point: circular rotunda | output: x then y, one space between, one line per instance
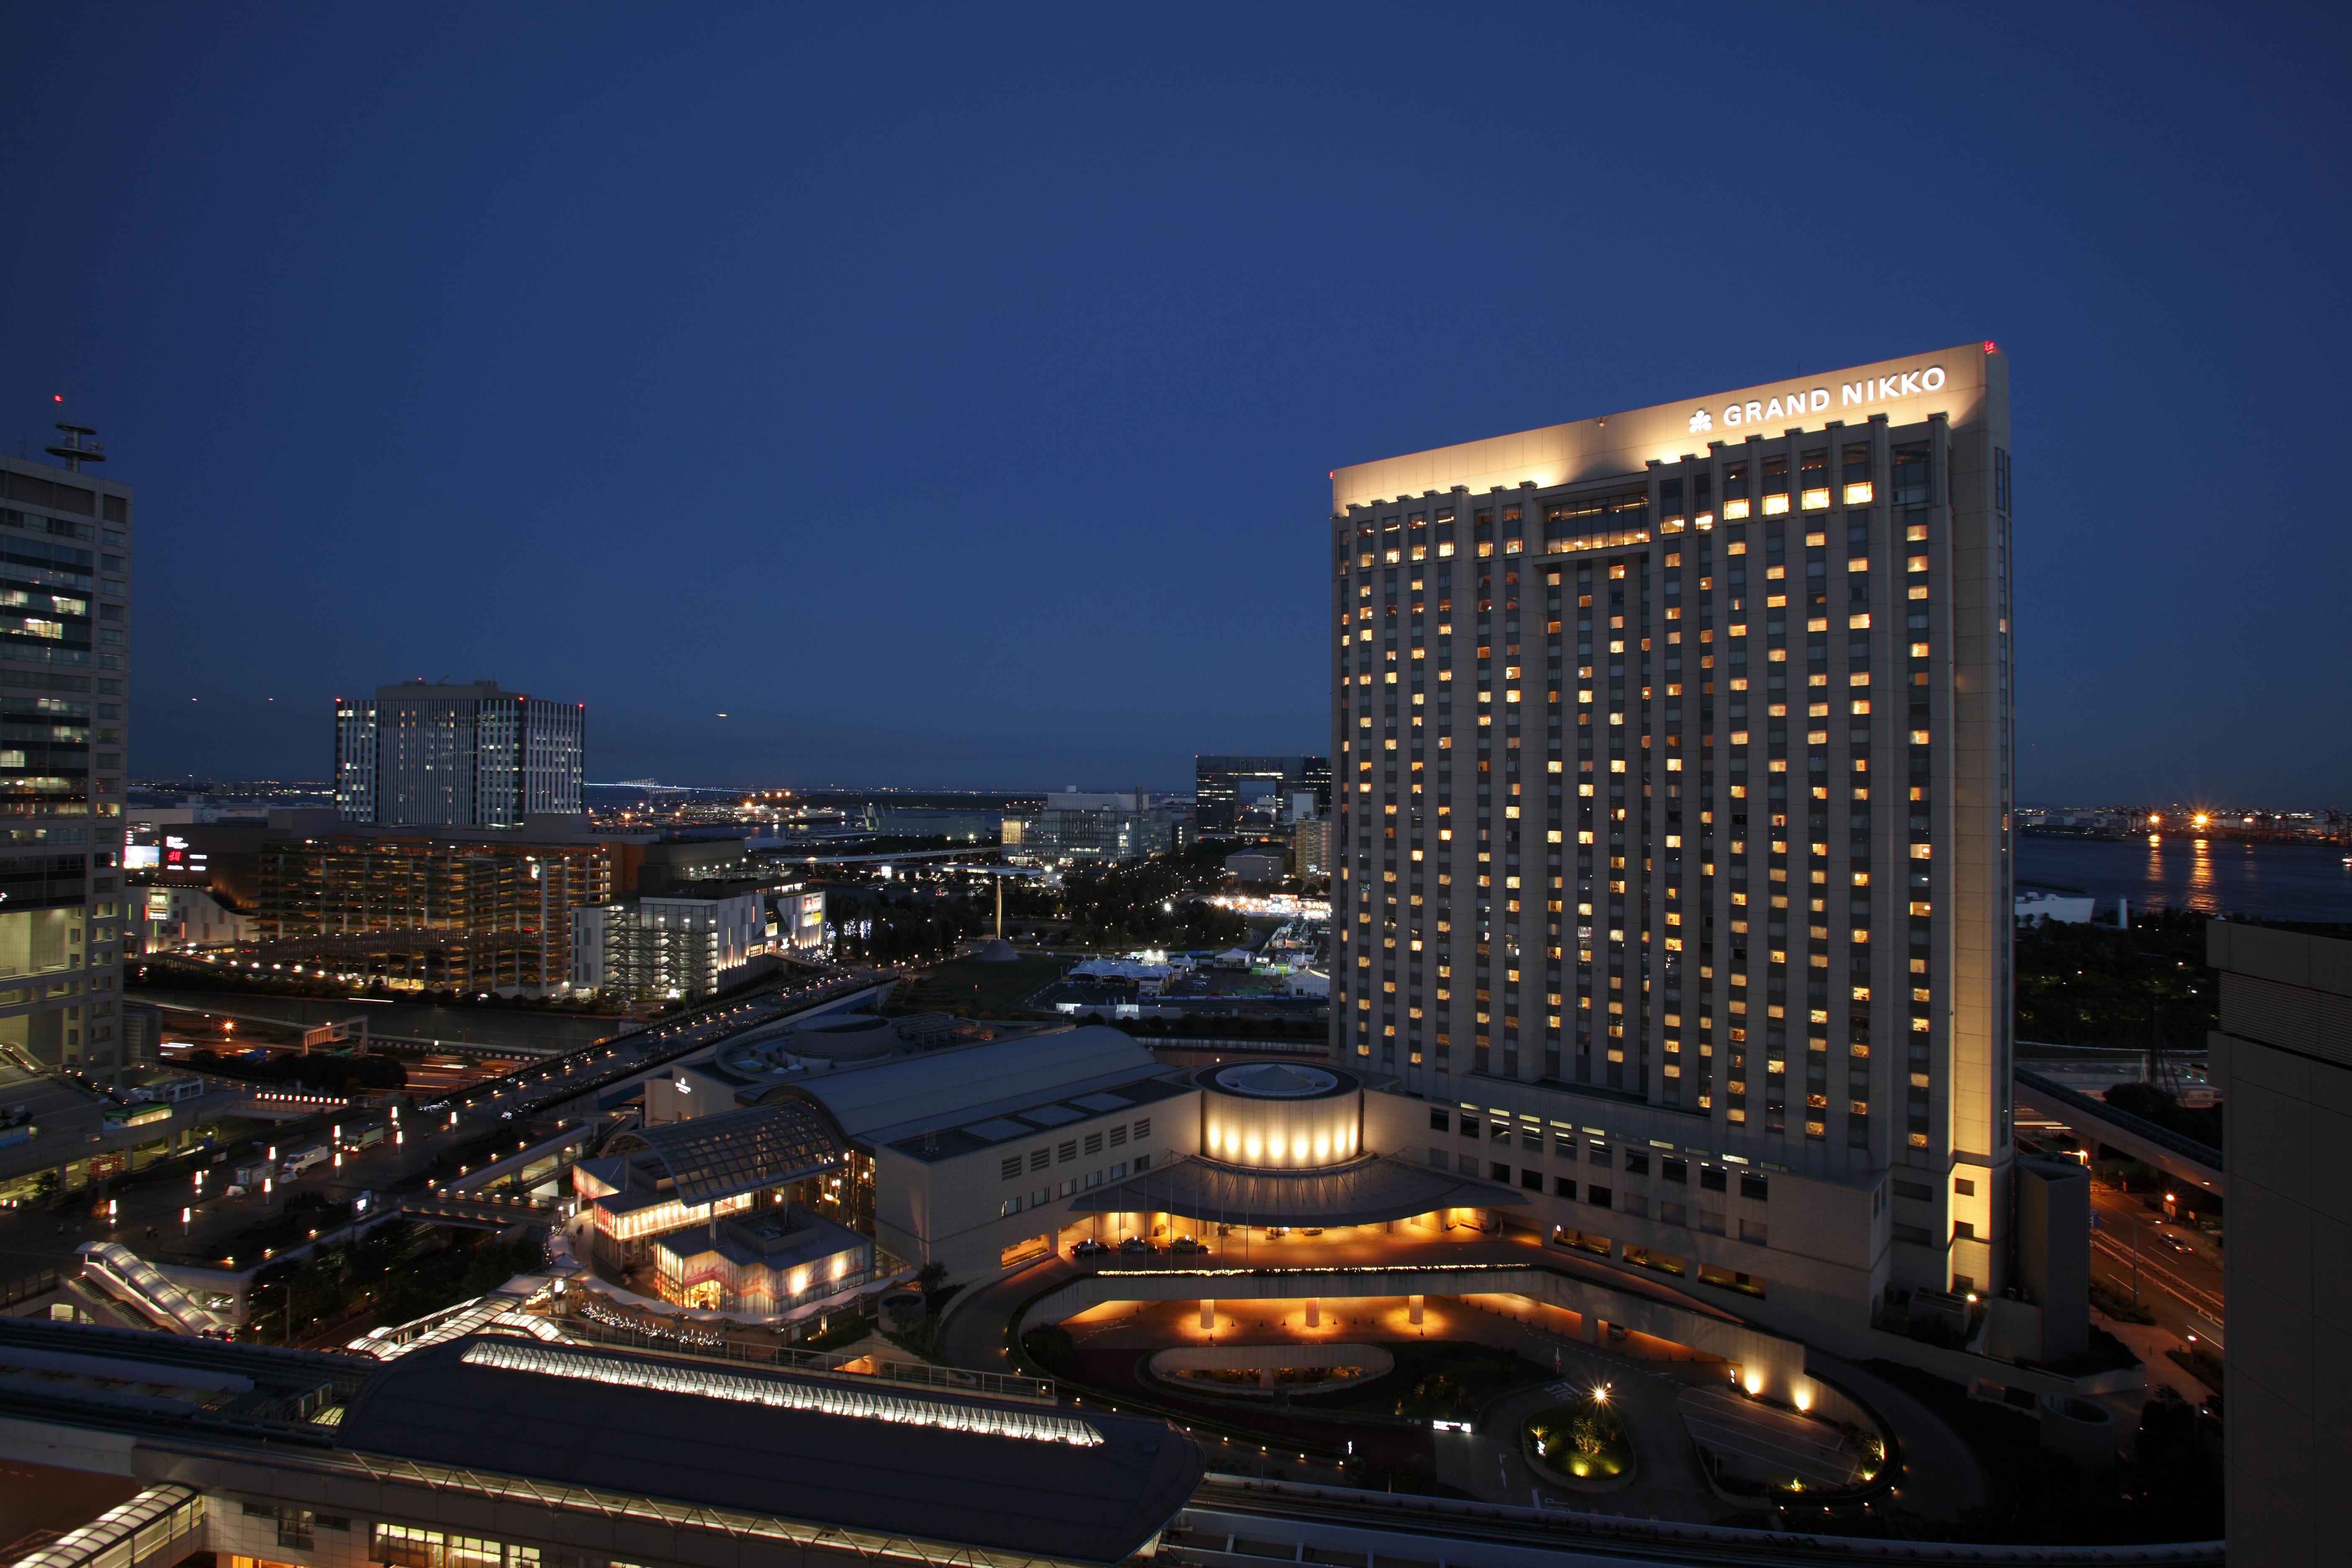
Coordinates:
1285 1116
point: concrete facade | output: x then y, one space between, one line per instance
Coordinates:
1770 1364
2283 1058
456 756
1672 773
686 944
1797 1254
65 559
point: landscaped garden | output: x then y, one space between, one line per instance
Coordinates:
1583 1440
1435 1379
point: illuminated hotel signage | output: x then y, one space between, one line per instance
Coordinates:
1801 400
1959 383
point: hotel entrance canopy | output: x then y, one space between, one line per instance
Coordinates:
1363 1192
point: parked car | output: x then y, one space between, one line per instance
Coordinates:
1134 1244
1186 1244
1089 1247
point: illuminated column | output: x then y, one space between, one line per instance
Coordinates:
1208 1313
1314 1313
1413 1303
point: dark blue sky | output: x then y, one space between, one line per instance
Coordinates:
946 395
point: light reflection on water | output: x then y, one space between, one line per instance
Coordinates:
2278 882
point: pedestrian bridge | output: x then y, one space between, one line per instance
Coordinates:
131 1279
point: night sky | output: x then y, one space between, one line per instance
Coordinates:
946 395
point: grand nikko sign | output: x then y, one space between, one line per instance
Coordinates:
1799 401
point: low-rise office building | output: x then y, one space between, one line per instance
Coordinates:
1076 827
180 920
1246 795
691 942
478 911
1255 866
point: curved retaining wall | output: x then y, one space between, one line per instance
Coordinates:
1775 1364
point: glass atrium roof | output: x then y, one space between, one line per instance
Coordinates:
713 1157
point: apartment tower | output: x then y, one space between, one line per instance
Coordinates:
1673 770
65 612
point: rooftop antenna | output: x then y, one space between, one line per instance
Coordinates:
73 449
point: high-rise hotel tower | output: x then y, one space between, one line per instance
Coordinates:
1672 785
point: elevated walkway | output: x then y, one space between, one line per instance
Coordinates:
2184 1159
567 1143
477 1211
502 1308
162 1525
130 1278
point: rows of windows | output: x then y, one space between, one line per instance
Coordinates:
1071 1186
1498 865
1563 1141
400 1546
1010 1167
1669 1210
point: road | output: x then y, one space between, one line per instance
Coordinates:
52 1099
148 1214
520 1031
2179 1266
35 1237
542 1085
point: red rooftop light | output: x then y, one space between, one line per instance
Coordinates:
1990 347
